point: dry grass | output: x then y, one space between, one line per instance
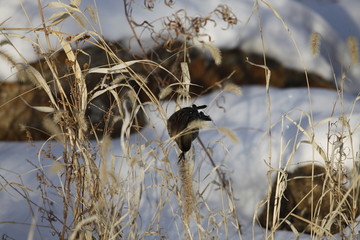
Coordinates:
324 211
101 193
320 201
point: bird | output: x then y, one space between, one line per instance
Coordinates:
178 123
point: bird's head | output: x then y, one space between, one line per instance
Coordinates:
202 115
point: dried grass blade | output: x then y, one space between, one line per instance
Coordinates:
70 8
38 80
311 139
77 71
58 17
75 3
230 134
43 109
79 19
22 37
100 92
119 68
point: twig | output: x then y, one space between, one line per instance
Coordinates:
224 182
130 21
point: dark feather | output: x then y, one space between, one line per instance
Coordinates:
179 121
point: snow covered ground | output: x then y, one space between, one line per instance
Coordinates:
246 162
246 115
335 21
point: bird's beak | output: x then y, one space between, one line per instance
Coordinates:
205 117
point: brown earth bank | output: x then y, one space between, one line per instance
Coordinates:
312 200
21 122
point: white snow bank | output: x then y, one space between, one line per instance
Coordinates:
246 163
335 21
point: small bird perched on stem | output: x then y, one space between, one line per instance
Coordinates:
178 126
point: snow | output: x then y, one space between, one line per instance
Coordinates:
335 21
247 161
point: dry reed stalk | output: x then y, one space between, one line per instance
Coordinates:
189 200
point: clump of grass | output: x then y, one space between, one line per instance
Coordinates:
100 194
318 200
332 203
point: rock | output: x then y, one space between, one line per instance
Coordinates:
311 199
